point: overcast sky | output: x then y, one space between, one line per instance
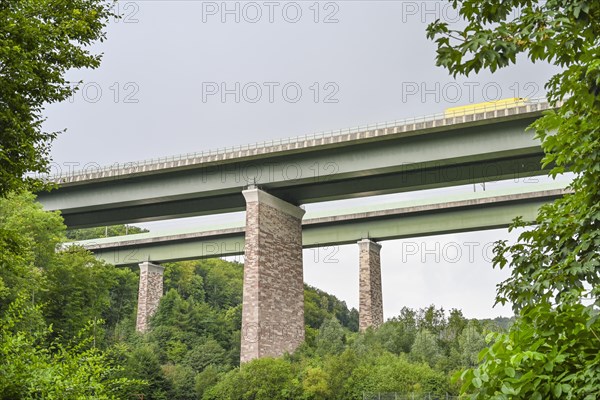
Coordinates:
187 76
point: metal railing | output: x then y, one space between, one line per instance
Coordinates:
463 115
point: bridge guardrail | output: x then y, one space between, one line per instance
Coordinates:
306 141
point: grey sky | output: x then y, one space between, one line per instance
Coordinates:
154 96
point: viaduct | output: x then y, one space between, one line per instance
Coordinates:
270 181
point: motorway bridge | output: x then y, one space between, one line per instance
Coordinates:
400 156
271 181
466 212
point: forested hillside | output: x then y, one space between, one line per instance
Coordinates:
68 331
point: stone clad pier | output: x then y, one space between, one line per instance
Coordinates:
370 294
149 294
273 299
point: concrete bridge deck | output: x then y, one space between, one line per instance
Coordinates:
422 153
451 214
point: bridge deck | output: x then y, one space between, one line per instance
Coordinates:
303 143
455 213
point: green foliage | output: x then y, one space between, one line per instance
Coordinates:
184 278
41 287
388 373
182 378
551 353
28 239
206 380
143 364
471 341
555 267
396 337
320 306
78 289
41 41
222 282
207 353
431 319
331 338
314 383
492 39
192 349
261 379
194 341
29 369
425 348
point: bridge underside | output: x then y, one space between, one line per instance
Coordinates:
398 163
469 214
272 239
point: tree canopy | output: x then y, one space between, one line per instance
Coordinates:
552 351
67 328
39 42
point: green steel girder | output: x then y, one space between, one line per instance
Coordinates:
494 150
385 224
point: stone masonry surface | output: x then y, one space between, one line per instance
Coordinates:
370 295
273 298
150 292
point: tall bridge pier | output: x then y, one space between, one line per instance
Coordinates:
273 236
149 294
273 289
273 299
370 312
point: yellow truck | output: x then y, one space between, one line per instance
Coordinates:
483 107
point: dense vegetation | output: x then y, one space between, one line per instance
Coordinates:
552 350
39 41
66 319
68 330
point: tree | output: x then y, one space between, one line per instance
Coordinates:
29 369
142 363
456 323
431 319
39 42
314 384
396 337
471 342
79 289
331 338
183 380
425 348
205 380
28 239
222 282
260 379
182 277
205 354
556 264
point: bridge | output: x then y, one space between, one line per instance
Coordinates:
394 157
465 212
270 181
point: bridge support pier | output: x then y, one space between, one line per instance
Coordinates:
370 295
150 292
273 299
